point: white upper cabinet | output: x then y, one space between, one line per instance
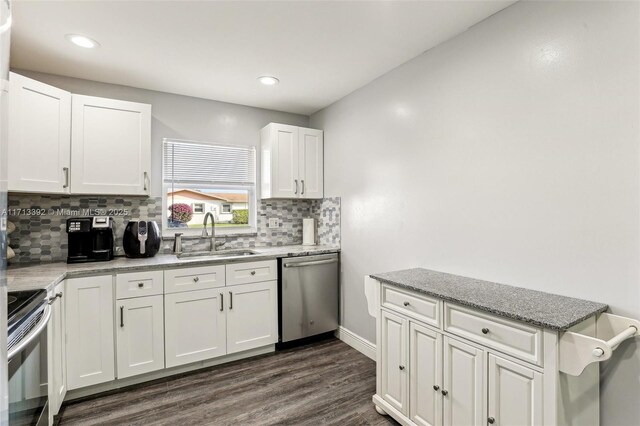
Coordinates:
311 163
39 137
292 162
61 143
110 146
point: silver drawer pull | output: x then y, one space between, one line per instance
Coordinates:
406 303
196 279
253 272
485 331
401 367
140 285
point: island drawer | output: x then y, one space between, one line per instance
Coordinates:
137 284
418 306
511 337
252 272
196 278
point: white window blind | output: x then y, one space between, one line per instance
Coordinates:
201 162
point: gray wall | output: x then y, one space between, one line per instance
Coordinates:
183 117
509 153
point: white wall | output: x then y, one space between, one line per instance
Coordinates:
509 153
181 117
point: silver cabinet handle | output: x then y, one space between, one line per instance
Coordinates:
406 303
296 181
65 170
302 193
221 302
53 299
31 336
319 262
230 300
196 279
485 331
121 316
145 178
401 367
140 285
253 272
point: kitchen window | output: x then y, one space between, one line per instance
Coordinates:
201 178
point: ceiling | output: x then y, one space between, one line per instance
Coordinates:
320 50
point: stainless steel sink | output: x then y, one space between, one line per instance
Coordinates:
219 253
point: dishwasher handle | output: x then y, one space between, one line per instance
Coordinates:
312 263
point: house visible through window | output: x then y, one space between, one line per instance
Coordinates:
201 178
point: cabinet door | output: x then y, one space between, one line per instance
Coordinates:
111 146
463 384
311 167
195 326
515 394
394 387
425 375
252 316
39 137
57 370
140 335
283 142
90 345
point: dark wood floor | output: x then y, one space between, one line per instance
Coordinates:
325 383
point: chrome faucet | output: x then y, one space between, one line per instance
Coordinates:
205 234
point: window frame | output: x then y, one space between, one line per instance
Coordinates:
250 228
194 207
226 205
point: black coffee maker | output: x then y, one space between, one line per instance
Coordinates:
90 239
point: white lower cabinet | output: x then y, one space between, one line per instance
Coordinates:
90 349
463 384
252 316
195 326
515 394
425 365
428 378
393 378
57 372
140 335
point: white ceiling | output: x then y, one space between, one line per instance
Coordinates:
320 51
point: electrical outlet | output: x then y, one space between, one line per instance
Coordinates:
274 222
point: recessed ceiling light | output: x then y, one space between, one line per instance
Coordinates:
82 41
268 80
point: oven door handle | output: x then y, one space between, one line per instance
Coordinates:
33 334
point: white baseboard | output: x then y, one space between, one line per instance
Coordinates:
358 343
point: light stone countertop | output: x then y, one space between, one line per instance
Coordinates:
47 275
534 307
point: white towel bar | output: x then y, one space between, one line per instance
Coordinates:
578 350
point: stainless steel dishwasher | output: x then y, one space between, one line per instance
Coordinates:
308 296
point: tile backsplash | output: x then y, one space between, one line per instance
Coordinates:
40 220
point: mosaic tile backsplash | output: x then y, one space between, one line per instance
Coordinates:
40 234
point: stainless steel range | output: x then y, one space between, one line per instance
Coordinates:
28 315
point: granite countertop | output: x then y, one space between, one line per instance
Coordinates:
534 307
46 275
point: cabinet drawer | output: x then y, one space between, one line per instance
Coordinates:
252 272
418 306
511 337
197 278
136 284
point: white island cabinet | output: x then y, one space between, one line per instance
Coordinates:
442 363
